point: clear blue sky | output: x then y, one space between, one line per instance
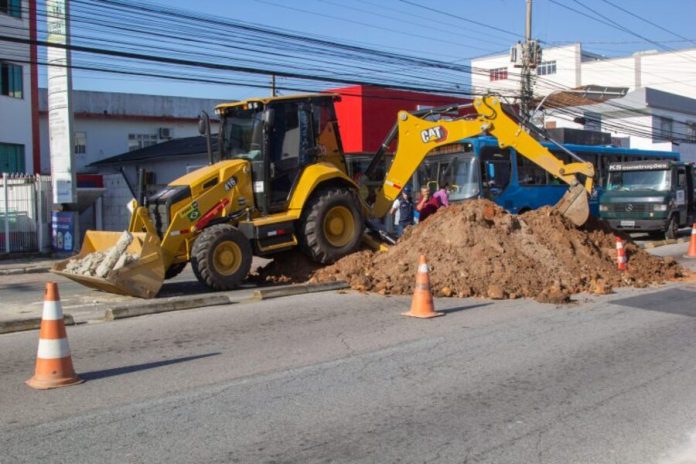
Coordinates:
438 31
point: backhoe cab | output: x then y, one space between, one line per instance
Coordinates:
279 181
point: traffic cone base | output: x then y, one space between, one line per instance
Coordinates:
422 302
422 316
692 244
58 379
54 366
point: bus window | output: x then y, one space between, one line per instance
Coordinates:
495 171
529 173
460 174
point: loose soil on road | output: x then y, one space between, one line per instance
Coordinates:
476 248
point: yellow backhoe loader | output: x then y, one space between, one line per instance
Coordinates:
279 181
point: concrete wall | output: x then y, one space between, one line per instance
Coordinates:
15 113
611 73
115 199
670 71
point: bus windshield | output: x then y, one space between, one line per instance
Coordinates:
458 172
242 134
639 180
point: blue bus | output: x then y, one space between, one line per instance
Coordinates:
478 168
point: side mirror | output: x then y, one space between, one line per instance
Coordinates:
203 123
268 117
204 129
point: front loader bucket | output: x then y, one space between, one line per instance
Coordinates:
575 205
142 278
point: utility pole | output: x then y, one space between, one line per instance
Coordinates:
526 56
273 85
526 92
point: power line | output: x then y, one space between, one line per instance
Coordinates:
669 31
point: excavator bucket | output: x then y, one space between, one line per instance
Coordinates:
143 277
575 205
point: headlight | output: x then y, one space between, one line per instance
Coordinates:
659 207
603 208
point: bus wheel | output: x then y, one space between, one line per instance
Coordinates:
672 228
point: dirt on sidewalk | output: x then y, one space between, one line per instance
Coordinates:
476 248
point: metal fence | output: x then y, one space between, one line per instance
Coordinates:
25 213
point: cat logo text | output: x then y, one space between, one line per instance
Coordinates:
434 134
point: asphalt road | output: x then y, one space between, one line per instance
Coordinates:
343 378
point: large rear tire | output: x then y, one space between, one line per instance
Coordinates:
221 257
331 225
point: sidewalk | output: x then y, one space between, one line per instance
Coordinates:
22 297
26 265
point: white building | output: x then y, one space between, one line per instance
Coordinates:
669 119
569 67
652 101
18 86
108 124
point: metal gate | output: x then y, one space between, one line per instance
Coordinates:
25 208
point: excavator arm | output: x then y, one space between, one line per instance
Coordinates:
417 137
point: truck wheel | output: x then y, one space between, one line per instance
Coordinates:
331 225
672 228
174 270
221 257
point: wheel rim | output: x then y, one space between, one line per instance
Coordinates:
339 226
227 258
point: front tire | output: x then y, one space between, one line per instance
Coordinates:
331 225
672 228
221 257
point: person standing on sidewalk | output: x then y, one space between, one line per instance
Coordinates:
402 209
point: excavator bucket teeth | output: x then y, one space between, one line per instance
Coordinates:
574 205
141 278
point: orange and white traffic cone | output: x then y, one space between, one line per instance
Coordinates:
54 366
620 255
692 244
422 301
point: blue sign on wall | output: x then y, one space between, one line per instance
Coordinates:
63 230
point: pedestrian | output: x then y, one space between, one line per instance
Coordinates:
402 209
427 204
443 194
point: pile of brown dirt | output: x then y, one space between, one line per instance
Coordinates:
476 248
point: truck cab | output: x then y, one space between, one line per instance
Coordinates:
649 196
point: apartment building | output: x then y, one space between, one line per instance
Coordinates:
19 151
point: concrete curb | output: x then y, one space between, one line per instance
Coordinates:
20 325
268 293
177 303
659 243
24 270
164 305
